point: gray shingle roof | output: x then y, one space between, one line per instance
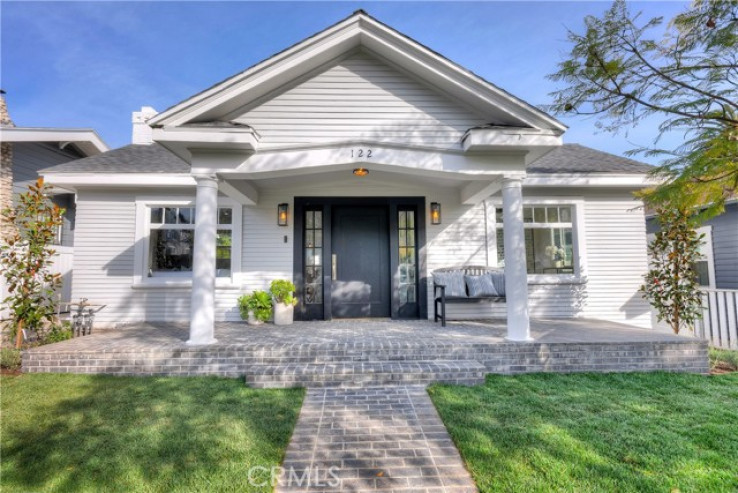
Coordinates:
569 158
134 158
575 158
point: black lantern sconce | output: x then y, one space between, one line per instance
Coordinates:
435 213
282 210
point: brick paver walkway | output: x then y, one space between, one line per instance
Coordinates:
372 439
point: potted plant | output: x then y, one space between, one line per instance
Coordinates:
255 308
284 301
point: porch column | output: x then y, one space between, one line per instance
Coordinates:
516 277
202 309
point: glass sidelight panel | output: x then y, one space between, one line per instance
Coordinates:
407 257
313 248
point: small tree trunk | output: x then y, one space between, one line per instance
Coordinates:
19 335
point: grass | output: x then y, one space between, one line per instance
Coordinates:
10 358
723 360
604 432
102 433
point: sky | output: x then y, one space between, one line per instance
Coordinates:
90 64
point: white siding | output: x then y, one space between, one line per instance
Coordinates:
104 266
361 98
617 259
615 236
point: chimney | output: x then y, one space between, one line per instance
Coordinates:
141 130
5 120
7 229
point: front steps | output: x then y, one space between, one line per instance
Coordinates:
350 374
419 361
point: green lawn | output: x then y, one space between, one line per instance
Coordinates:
605 432
100 433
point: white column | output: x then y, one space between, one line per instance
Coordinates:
202 310
516 277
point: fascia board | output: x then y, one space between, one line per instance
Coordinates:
322 47
626 180
85 138
262 71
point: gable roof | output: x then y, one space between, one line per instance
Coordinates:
359 29
154 158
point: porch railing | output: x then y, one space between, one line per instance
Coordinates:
719 324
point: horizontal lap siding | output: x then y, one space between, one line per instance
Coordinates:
725 247
104 257
30 157
462 240
617 259
361 98
104 266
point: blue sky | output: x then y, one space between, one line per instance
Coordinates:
83 64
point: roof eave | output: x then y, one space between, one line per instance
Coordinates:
86 139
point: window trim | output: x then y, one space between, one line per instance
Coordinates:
579 247
141 280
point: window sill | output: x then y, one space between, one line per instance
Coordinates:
556 279
154 283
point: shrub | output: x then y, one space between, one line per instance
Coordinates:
671 283
258 302
10 358
27 257
283 291
724 359
58 333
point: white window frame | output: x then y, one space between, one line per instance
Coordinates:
141 278
579 246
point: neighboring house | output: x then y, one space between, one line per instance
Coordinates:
25 151
355 163
718 268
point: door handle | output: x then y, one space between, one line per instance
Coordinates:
334 267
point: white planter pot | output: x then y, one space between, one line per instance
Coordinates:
283 314
252 320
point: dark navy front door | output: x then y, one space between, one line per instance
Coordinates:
360 262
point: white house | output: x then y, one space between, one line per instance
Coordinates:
355 163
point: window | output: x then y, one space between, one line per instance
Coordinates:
705 267
406 255
313 257
171 240
549 239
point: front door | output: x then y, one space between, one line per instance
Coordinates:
360 269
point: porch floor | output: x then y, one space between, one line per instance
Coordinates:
371 352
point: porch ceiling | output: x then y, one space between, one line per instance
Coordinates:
379 182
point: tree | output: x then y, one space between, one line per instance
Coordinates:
623 69
27 258
671 283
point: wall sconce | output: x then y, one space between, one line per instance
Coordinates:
282 214
435 213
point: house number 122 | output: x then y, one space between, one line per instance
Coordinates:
367 153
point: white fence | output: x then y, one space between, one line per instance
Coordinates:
719 324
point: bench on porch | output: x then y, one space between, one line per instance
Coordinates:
452 285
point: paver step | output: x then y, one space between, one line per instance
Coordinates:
366 374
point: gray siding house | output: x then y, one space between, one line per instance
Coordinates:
26 151
719 267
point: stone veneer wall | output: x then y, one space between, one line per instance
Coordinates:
6 171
